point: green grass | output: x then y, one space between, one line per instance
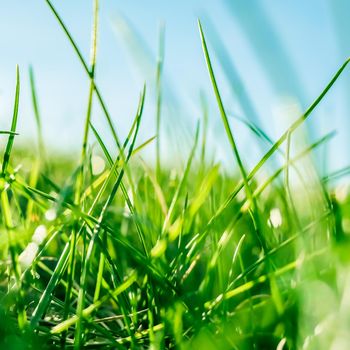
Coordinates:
141 256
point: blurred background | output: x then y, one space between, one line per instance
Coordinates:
272 59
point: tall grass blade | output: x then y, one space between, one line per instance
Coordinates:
11 138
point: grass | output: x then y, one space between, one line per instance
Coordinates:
136 256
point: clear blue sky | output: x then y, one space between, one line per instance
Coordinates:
283 53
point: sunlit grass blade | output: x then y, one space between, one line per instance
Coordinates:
160 61
37 114
249 193
80 178
11 138
87 70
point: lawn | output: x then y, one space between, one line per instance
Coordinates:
99 251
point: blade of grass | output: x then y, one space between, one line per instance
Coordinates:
159 70
87 70
37 115
6 209
80 178
254 214
11 138
3 132
204 105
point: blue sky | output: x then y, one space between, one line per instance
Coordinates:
284 53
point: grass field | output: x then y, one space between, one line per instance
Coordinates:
113 252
